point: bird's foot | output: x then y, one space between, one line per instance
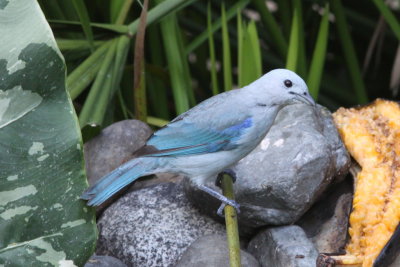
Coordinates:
229 172
231 203
225 201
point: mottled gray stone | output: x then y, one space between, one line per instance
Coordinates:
152 226
284 246
326 223
212 251
114 146
104 261
287 172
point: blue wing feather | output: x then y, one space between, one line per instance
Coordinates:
184 138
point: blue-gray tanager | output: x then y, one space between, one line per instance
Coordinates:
210 137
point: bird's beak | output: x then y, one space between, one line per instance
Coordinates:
305 98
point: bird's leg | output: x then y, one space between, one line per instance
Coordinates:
222 198
225 201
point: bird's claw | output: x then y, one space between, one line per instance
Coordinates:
231 203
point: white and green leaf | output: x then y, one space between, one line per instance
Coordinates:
42 220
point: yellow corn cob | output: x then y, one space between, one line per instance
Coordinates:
372 136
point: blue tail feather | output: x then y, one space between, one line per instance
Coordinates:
115 181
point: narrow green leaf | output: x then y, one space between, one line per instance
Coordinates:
123 11
52 9
213 70
42 220
83 75
278 40
176 61
349 52
115 9
106 26
255 48
293 51
241 50
389 17
250 60
158 12
230 13
121 54
285 15
302 61
76 44
318 59
226 50
186 71
84 18
156 78
96 103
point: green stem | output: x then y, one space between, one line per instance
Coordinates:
232 230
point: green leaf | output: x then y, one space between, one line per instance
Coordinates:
158 12
226 51
249 54
76 44
42 220
111 27
177 63
85 21
318 59
389 17
156 78
272 27
296 58
85 73
213 69
123 10
230 13
349 52
96 103
293 51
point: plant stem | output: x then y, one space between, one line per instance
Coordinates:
232 230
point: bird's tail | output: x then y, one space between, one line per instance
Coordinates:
117 179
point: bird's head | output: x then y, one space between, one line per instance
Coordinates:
285 87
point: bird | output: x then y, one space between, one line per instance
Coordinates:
209 138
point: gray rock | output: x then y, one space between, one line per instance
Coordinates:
285 246
396 262
326 223
284 175
114 146
152 226
212 251
104 261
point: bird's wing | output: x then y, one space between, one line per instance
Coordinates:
182 137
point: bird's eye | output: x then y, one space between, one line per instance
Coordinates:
288 83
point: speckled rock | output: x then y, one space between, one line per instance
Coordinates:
152 226
212 251
104 261
113 146
283 176
284 246
326 223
